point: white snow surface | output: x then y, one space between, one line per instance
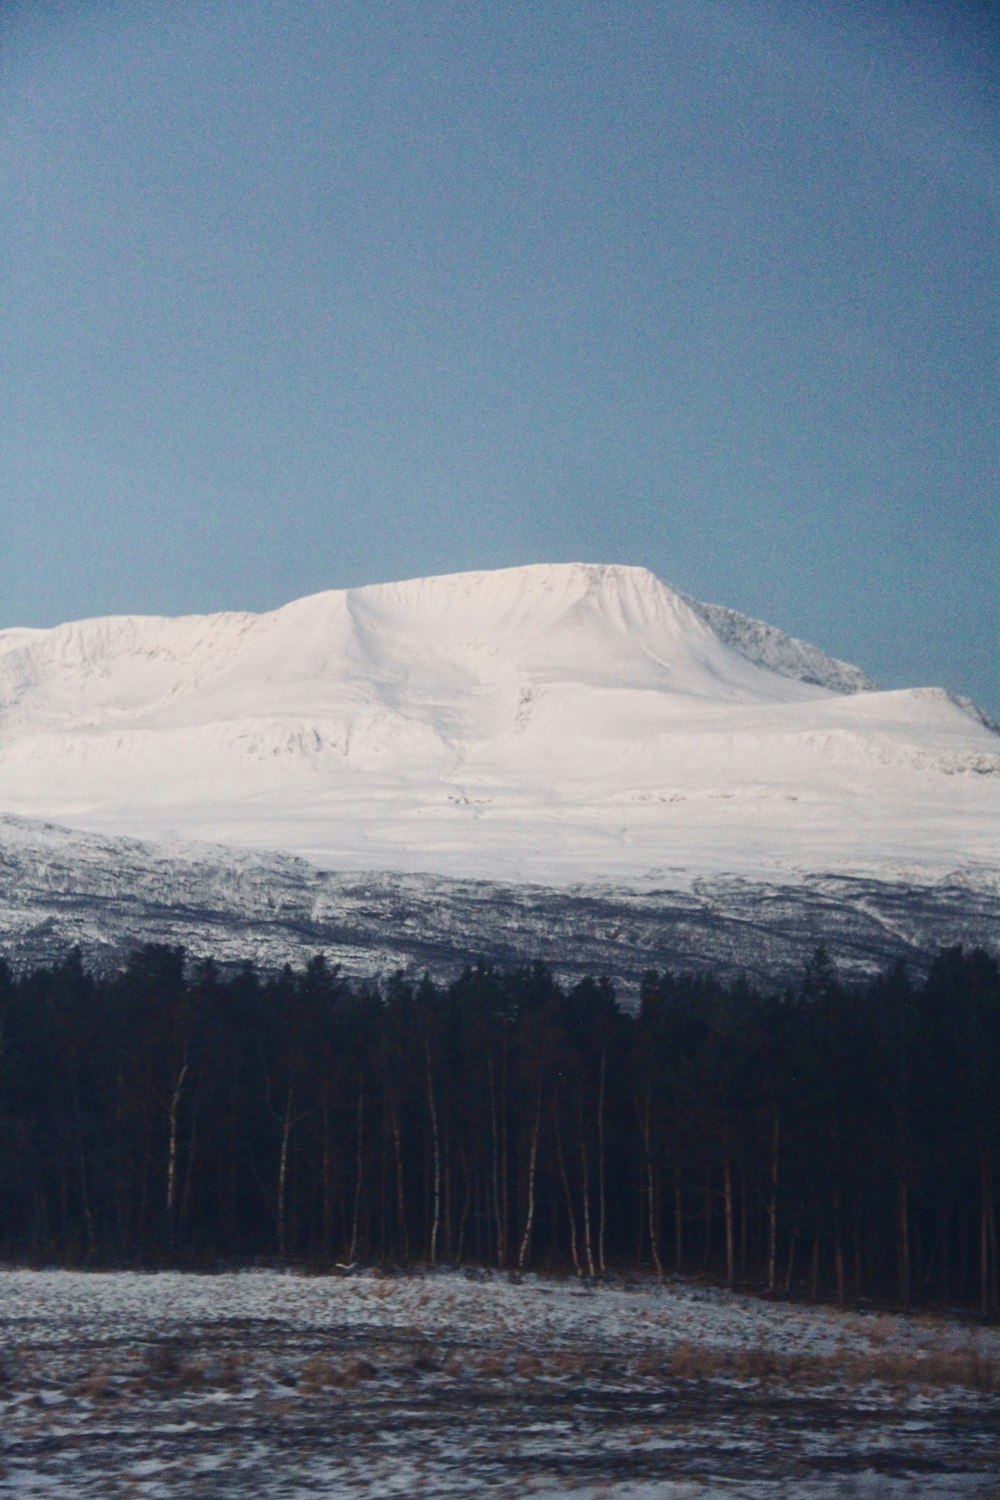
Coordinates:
552 723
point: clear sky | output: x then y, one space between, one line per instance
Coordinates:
302 295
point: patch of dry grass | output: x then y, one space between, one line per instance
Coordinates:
878 1331
971 1367
382 1288
937 1368
351 1371
170 1366
690 1361
98 1385
317 1374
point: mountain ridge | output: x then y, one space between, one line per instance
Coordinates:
628 593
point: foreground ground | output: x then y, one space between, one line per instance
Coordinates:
461 1384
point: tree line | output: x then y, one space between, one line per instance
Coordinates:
832 1140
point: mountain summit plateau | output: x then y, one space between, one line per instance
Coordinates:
563 724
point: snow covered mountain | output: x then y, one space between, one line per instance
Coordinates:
550 723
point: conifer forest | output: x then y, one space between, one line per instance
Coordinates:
832 1141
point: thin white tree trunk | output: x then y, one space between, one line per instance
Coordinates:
174 1107
772 1209
400 1199
987 1239
522 1254
564 1176
588 1246
286 1131
727 1184
81 1166
352 1253
602 1211
436 1220
497 1207
904 1243
650 1183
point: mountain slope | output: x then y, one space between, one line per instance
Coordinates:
60 888
549 722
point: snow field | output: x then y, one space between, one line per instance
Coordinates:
455 1384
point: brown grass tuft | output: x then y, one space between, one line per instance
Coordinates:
696 1362
170 1366
758 1362
317 1374
98 1385
351 1371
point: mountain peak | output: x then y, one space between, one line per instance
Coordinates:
557 721
623 598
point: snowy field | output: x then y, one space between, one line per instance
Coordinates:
466 1384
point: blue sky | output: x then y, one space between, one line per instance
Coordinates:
306 295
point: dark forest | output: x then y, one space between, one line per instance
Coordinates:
830 1141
